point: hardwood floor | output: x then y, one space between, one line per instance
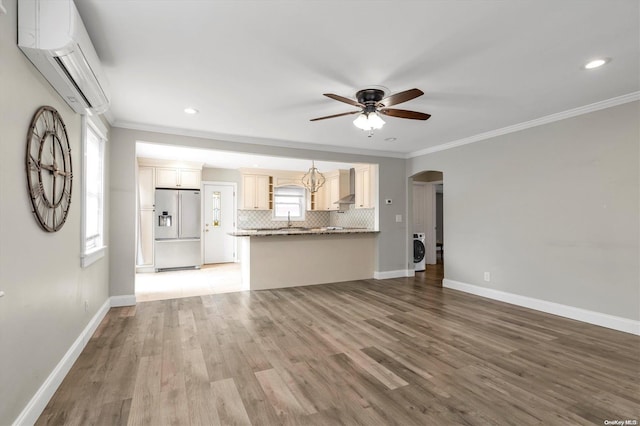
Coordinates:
400 351
432 275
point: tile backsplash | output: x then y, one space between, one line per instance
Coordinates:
252 219
349 218
353 218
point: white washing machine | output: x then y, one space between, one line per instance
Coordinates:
419 251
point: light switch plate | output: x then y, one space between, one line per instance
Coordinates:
398 218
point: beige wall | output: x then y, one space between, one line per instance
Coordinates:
551 212
222 175
42 312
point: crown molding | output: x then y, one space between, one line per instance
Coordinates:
257 141
630 97
108 115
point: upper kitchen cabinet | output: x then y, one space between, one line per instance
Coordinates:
181 178
364 187
147 186
335 187
257 192
173 174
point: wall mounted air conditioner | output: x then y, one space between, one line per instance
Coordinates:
53 37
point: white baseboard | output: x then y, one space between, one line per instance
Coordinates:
126 300
400 273
592 317
39 401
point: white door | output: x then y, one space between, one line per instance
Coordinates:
219 219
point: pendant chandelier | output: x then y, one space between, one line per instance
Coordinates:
313 179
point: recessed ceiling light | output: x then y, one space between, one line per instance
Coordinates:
190 110
596 63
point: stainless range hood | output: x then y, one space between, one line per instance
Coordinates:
351 198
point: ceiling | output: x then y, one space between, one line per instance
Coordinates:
256 70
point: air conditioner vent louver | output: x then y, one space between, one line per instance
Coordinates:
73 82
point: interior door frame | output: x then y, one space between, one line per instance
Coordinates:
427 213
434 224
235 212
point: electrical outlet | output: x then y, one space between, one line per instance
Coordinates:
487 276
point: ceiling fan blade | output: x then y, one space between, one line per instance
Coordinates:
403 113
343 99
335 115
401 97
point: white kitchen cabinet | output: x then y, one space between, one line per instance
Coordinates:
146 191
322 197
146 238
335 187
170 177
364 198
257 192
146 184
189 178
339 187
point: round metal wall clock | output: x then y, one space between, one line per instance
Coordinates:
49 173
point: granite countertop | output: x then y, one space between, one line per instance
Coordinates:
264 232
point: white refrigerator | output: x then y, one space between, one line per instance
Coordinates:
177 229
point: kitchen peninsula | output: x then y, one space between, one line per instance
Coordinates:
290 257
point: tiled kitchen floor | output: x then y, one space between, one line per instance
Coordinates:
210 279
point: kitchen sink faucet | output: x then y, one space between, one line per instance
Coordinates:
288 219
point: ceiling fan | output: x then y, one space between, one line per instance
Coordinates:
372 103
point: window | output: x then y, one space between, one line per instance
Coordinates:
289 202
216 208
94 140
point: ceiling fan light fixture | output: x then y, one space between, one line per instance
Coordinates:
369 121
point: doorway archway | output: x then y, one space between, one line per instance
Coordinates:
428 198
